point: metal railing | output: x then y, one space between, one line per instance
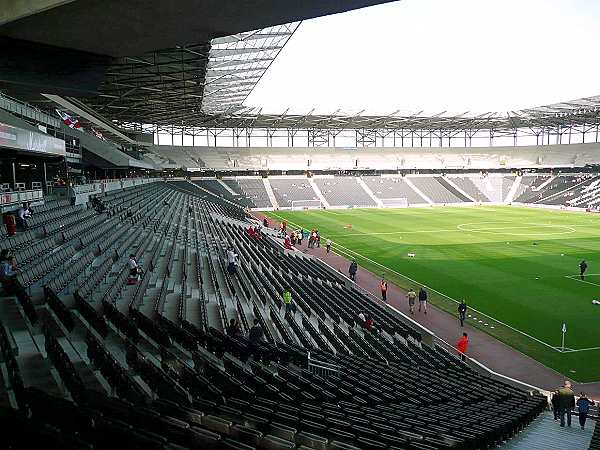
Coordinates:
15 198
322 368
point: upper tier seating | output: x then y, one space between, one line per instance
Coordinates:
343 191
542 157
149 365
287 190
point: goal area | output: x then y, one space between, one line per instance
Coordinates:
399 202
306 204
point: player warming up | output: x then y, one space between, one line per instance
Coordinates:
582 268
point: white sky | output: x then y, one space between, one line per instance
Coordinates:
438 55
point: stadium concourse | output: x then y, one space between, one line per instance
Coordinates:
483 348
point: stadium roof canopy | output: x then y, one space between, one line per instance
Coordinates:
191 65
579 111
582 114
175 85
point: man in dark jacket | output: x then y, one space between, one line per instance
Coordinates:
423 299
566 403
255 336
256 333
583 404
554 402
352 270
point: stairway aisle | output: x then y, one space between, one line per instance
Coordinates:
546 434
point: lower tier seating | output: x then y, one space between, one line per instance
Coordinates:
102 359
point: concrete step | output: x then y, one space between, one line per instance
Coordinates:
546 434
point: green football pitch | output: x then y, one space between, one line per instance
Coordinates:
517 267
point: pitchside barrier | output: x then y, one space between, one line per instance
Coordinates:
306 204
400 202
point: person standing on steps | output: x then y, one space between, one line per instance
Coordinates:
328 245
383 287
231 261
554 401
462 346
233 329
583 405
352 270
462 312
566 403
287 301
423 299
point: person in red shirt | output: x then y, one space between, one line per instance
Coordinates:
287 243
369 323
462 346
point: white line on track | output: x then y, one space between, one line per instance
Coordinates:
350 252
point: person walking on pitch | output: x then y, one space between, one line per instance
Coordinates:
582 268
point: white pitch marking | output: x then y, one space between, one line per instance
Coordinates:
572 277
493 230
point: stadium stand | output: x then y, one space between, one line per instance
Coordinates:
530 184
560 188
392 188
288 190
567 189
436 189
470 187
149 364
595 443
182 157
386 158
343 191
218 187
253 189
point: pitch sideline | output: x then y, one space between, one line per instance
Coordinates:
348 252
